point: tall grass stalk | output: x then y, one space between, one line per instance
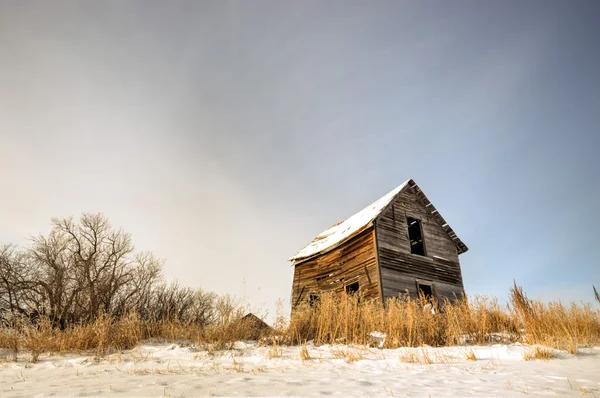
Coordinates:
412 323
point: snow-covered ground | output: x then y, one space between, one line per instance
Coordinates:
250 370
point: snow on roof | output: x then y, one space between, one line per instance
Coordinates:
342 231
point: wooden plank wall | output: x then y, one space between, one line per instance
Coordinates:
399 268
355 260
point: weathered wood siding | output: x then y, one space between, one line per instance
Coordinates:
399 268
355 260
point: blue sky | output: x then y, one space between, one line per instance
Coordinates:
226 135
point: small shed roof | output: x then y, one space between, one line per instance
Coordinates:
341 232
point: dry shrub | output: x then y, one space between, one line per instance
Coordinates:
104 335
10 339
538 353
21 334
36 338
110 334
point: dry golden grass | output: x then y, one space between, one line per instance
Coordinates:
350 355
470 355
424 357
353 355
411 323
410 357
336 320
304 354
107 335
237 366
555 325
10 339
274 351
538 353
348 320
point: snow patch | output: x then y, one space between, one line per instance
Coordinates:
344 370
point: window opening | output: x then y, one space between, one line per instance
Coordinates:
314 299
415 234
426 291
352 288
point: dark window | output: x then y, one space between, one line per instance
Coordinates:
352 288
314 299
426 291
415 234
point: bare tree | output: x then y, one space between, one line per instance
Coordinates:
137 293
54 285
12 282
82 269
99 257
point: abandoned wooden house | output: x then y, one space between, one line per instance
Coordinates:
398 245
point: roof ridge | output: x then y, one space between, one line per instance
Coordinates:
358 222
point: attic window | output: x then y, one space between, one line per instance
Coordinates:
415 234
352 288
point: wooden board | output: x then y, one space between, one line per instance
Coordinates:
355 260
398 267
396 284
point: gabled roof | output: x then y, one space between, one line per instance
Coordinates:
343 231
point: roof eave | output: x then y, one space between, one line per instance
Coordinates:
298 260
